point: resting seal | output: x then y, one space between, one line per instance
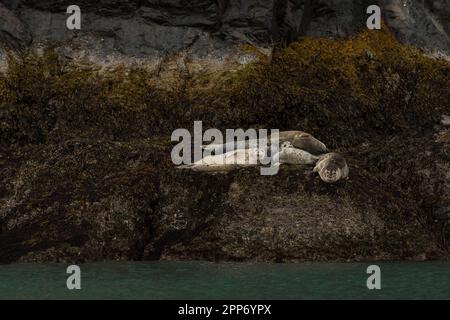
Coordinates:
331 167
227 161
304 141
289 154
298 139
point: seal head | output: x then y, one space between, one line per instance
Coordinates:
332 167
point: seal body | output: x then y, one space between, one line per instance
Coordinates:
298 139
303 140
331 167
289 154
228 160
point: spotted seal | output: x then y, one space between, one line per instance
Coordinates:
298 139
228 160
289 154
331 167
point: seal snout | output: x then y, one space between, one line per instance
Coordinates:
330 175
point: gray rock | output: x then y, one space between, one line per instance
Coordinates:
155 28
425 24
180 13
248 20
12 30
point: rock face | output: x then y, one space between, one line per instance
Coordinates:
12 30
425 24
205 28
67 202
85 169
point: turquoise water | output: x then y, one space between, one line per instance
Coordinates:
205 280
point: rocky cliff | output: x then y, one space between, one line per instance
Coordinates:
85 165
114 30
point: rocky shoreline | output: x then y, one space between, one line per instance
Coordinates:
68 202
85 168
206 34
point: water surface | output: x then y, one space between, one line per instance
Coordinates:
205 280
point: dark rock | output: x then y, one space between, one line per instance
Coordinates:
154 28
78 206
248 20
180 13
103 7
425 24
69 202
115 194
12 30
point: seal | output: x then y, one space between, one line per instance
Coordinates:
290 155
303 140
227 161
298 139
331 167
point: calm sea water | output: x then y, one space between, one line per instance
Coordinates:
205 280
